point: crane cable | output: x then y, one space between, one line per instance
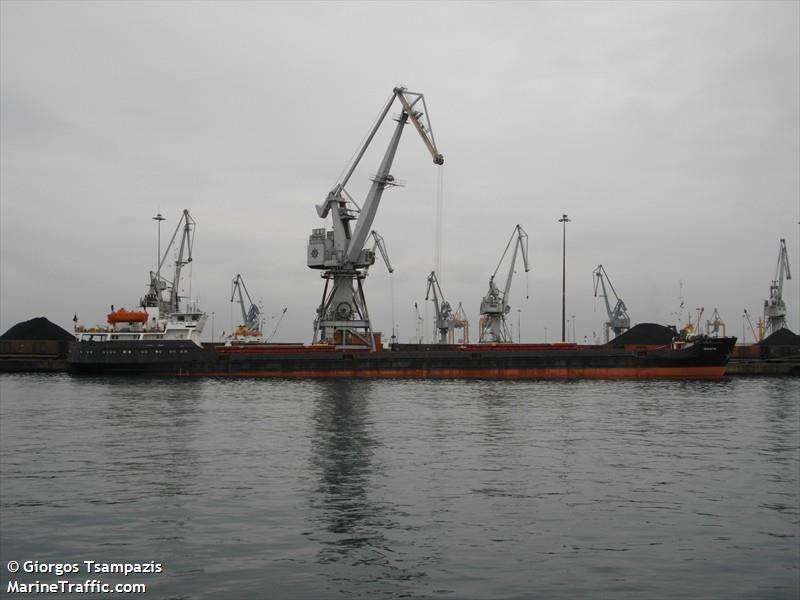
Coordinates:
391 287
275 330
437 251
527 287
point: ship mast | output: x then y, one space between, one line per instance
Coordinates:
158 283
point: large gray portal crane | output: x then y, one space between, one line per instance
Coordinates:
445 320
618 319
342 317
774 308
494 305
251 317
158 283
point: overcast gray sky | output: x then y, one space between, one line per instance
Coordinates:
669 132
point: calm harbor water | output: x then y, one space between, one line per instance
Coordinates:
406 489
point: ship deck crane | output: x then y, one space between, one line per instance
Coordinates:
251 317
342 316
618 319
158 283
445 319
494 305
775 308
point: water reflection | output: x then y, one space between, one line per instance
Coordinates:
149 448
354 528
782 421
496 401
342 449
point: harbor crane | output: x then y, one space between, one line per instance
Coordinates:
714 324
158 283
618 319
251 318
445 319
494 306
775 308
462 323
342 317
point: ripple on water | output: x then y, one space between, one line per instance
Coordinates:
417 489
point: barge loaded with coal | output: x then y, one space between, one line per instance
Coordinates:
164 339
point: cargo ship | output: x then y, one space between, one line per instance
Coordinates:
162 339
702 359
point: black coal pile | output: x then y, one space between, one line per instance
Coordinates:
644 334
37 329
782 337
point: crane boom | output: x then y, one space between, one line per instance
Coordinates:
494 305
756 337
522 243
382 179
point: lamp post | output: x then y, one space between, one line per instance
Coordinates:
519 326
564 219
744 314
159 218
573 329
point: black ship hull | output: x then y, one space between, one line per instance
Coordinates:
704 359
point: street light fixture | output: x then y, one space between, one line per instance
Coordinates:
159 218
564 219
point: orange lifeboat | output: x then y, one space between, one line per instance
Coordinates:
127 316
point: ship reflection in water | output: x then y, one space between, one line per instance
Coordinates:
351 520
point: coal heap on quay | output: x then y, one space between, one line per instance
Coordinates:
39 328
782 337
777 354
34 345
